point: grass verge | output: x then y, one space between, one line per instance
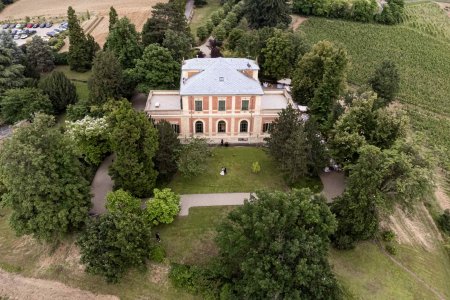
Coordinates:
202 14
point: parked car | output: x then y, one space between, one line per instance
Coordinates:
16 37
26 31
5 26
51 33
63 29
35 25
29 25
24 36
57 30
32 31
19 26
14 31
42 25
19 32
49 24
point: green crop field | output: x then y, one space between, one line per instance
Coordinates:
423 60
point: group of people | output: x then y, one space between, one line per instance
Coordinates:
223 171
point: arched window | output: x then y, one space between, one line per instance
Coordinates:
221 127
243 127
199 127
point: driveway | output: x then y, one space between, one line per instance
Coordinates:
189 10
333 184
199 200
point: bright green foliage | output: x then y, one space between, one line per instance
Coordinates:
289 145
393 12
155 70
90 137
234 37
267 13
44 182
202 33
11 75
364 10
363 124
386 81
168 151
113 17
22 104
165 16
119 240
256 168
106 79
193 156
163 207
220 33
134 140
179 44
124 41
319 78
279 56
275 246
40 55
80 51
60 90
378 181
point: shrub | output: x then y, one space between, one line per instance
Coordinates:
61 58
158 253
195 280
164 206
444 221
209 25
216 18
202 33
256 168
344 242
391 249
220 33
388 235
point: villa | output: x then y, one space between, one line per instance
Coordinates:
220 99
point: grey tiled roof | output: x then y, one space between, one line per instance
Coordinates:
220 78
204 63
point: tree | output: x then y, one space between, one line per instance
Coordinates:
275 247
106 79
163 207
6 41
22 104
363 124
179 44
193 156
92 47
40 55
319 79
214 46
155 70
165 16
11 75
386 81
60 90
80 52
168 151
134 140
290 143
124 41
113 17
267 13
379 181
44 182
279 56
90 137
364 10
118 240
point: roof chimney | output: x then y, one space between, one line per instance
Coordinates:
221 79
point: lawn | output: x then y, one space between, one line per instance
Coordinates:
239 178
79 79
202 14
423 60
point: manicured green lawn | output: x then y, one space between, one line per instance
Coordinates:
202 14
82 90
72 74
189 239
239 178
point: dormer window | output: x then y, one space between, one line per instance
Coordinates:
221 79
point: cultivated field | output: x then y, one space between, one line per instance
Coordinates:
136 10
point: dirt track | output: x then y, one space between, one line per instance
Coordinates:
15 286
136 10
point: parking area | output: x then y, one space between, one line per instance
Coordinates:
22 32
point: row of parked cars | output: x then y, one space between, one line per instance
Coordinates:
29 25
55 32
21 33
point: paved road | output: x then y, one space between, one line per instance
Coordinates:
189 9
198 200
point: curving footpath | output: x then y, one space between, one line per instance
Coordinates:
222 199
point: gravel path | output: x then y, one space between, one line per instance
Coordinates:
197 200
188 11
14 286
101 185
333 184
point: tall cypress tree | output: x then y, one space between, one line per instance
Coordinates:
113 17
267 13
80 51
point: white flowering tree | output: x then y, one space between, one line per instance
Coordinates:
91 137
